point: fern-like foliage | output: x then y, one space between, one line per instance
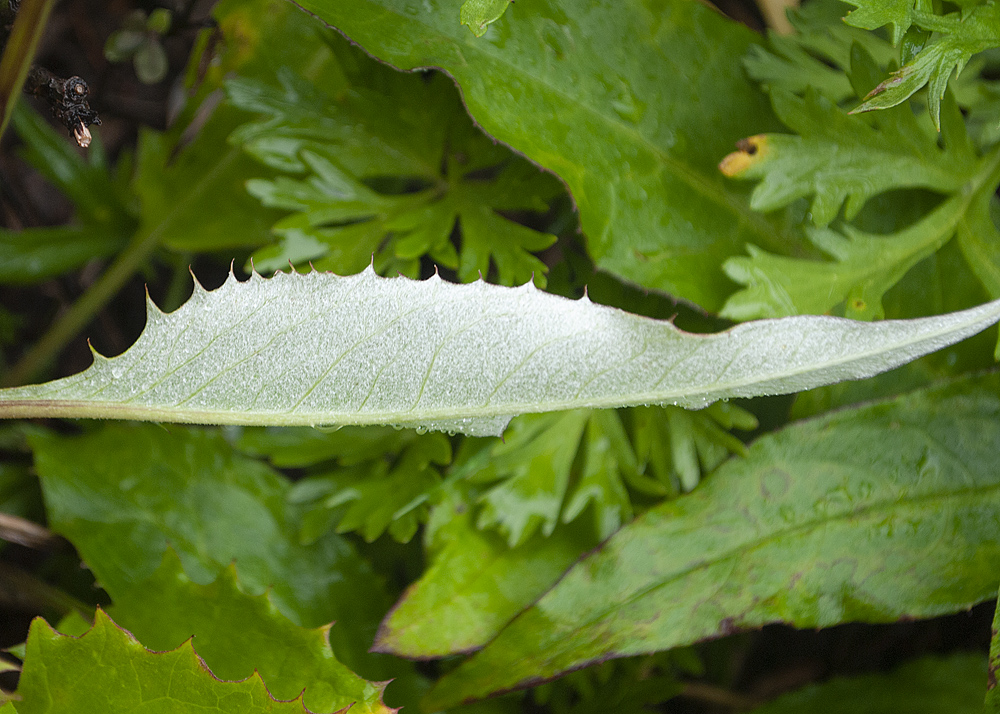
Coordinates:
389 165
556 467
844 165
941 45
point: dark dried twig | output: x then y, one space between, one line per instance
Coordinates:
67 98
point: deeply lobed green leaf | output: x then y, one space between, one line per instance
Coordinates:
959 37
394 167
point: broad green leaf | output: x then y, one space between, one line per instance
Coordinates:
632 104
835 157
926 686
186 489
868 514
962 36
479 14
106 671
475 585
394 166
322 349
237 634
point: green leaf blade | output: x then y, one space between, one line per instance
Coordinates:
106 671
819 525
321 349
237 634
187 490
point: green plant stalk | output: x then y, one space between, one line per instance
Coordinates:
17 56
69 324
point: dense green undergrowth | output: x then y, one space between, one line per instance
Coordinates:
654 157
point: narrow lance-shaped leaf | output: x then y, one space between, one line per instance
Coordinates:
869 514
321 349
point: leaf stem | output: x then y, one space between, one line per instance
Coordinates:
20 50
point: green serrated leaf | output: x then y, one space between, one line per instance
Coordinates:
925 686
607 455
866 265
373 497
371 350
428 170
106 671
873 14
237 634
367 479
188 489
820 524
837 158
961 36
603 94
535 466
479 14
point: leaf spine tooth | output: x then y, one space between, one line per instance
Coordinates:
198 287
